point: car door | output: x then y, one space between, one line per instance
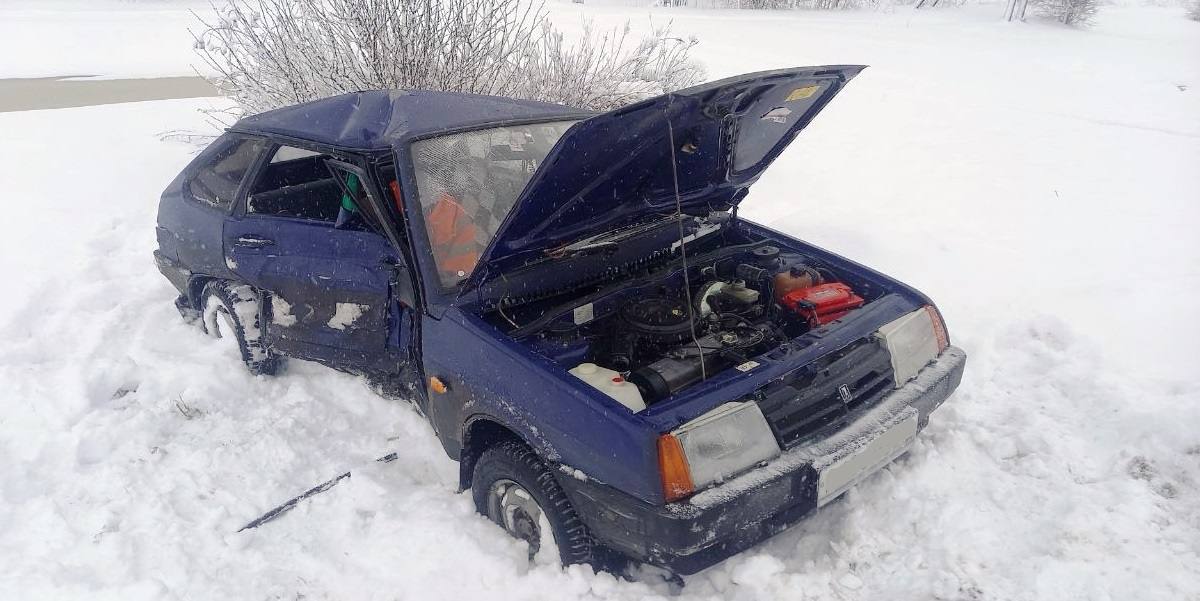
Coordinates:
325 270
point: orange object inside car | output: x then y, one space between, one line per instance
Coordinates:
397 197
452 236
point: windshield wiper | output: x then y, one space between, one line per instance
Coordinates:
581 248
610 240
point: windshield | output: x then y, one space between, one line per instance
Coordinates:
468 183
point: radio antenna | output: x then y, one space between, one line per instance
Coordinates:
687 285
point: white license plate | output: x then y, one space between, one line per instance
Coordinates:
840 475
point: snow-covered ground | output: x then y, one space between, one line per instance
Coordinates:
148 38
1041 183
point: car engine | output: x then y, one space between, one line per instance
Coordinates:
647 344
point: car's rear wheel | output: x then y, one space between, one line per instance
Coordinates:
515 489
229 312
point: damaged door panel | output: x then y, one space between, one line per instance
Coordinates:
324 270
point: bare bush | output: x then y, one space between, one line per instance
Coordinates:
602 72
1068 12
272 53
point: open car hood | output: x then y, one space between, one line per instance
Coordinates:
616 167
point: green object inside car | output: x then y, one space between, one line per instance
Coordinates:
347 200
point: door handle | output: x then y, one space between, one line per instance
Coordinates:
253 242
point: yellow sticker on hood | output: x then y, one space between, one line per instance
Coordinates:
802 93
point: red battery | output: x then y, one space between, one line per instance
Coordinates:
823 303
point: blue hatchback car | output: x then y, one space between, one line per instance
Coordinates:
621 365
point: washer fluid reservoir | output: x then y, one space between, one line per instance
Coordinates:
611 383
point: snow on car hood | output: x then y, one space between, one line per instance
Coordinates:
616 167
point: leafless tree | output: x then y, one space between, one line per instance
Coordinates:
1015 10
271 53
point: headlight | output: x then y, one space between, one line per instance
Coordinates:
913 341
721 443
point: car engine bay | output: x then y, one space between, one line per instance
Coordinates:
670 327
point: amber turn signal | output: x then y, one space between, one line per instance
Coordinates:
437 385
939 328
672 465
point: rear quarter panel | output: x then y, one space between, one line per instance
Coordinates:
190 231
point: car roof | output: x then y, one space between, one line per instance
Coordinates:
379 119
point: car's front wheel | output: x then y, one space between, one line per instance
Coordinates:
515 489
230 313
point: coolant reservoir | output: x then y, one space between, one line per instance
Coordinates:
611 383
796 278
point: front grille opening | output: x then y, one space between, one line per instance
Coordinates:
812 400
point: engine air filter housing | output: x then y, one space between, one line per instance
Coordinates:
658 317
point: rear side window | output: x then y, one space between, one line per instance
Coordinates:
217 181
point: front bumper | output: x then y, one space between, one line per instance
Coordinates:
716 523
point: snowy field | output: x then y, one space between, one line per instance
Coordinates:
1041 183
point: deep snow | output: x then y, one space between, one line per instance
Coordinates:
1040 183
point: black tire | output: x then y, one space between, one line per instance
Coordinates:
514 461
226 306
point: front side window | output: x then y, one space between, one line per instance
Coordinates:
216 182
296 183
303 184
468 183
